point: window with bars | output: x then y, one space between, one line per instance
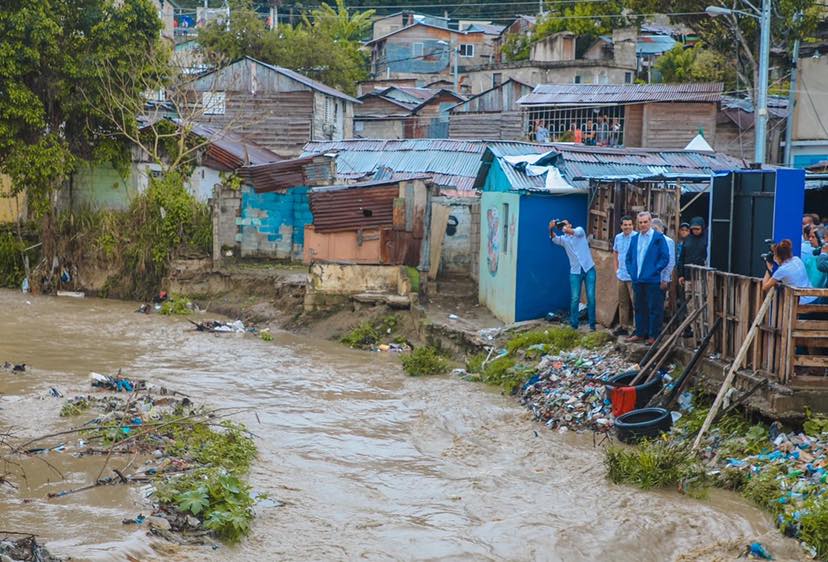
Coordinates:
596 126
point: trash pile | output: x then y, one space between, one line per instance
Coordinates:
793 469
24 549
568 390
191 464
218 326
16 368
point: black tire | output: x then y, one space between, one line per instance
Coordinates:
644 423
643 392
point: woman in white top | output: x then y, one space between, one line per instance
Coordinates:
791 271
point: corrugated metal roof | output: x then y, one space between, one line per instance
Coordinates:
607 94
452 164
487 28
654 44
578 163
232 150
283 175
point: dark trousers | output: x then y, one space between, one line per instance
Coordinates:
649 309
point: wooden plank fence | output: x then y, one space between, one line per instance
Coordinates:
792 344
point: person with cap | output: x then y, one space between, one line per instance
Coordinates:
694 248
683 233
646 258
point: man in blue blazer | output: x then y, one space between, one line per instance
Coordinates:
647 256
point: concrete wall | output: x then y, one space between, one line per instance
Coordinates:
226 209
330 283
542 283
103 187
811 102
555 47
590 72
203 182
462 240
273 224
379 129
11 208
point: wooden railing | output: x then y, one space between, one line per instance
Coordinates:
788 347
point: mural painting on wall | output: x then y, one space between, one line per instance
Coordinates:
493 244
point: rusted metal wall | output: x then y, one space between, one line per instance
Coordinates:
674 125
495 126
351 209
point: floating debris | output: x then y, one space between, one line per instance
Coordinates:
25 549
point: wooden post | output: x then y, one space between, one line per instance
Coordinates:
717 403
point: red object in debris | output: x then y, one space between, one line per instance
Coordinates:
162 295
623 400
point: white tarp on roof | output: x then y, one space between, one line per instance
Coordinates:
698 143
554 181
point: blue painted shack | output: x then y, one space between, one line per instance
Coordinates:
275 207
522 274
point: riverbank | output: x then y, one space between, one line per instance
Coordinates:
365 462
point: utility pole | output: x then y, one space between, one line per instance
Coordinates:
540 7
792 99
456 74
761 124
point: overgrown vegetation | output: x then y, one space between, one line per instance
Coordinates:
510 368
177 305
138 244
74 407
425 361
367 334
216 493
655 464
11 261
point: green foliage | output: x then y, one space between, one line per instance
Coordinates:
516 47
11 261
49 87
764 489
324 46
74 407
413 278
695 64
424 361
655 464
177 305
363 336
815 424
266 335
594 340
215 495
339 23
474 363
814 525
229 447
581 18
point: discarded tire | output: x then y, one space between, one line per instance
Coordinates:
644 423
643 392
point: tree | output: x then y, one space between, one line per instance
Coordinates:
694 64
581 18
322 46
337 23
736 37
49 53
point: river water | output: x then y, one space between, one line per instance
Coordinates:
368 464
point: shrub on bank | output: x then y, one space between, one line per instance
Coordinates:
424 361
655 464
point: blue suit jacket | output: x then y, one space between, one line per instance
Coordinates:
656 259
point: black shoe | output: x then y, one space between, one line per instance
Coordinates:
620 332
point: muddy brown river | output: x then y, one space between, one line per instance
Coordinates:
369 464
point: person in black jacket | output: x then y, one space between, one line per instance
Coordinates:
694 250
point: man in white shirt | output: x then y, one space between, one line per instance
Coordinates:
625 292
581 268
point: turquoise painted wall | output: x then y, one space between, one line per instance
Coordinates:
499 216
273 224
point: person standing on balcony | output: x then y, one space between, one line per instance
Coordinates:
646 259
581 269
